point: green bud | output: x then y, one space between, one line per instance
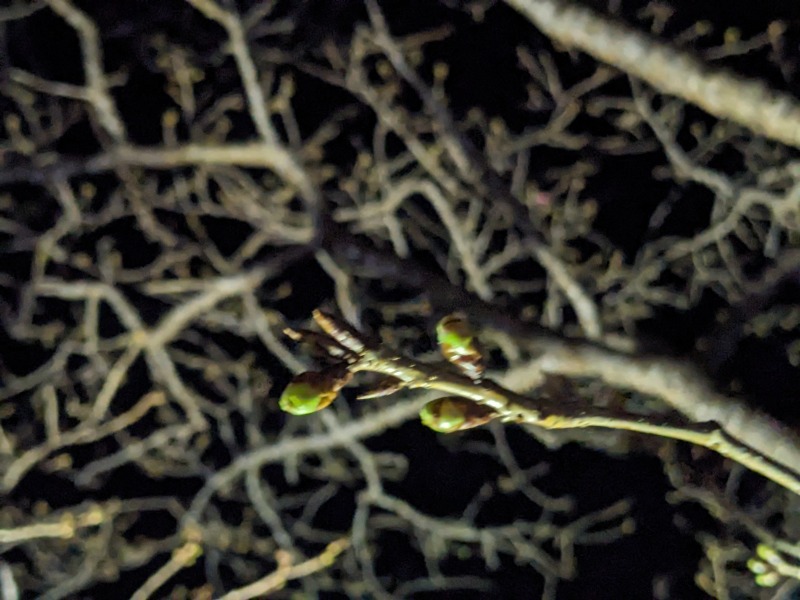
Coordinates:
769 579
303 399
453 331
757 567
458 345
442 415
768 554
311 391
452 413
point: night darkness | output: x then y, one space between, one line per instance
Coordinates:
165 234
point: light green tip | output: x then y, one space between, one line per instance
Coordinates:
454 339
757 567
768 554
442 416
301 399
768 580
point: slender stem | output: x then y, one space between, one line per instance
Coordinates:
709 435
549 414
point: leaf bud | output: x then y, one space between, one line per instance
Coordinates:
453 413
768 580
458 345
312 391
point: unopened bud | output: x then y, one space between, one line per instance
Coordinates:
312 391
453 413
458 345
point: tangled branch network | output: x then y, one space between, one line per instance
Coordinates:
564 237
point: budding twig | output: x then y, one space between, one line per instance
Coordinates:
463 382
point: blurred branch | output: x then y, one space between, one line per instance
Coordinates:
97 88
751 103
288 571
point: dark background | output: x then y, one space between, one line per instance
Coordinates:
441 477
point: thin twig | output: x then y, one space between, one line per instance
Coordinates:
276 580
551 414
